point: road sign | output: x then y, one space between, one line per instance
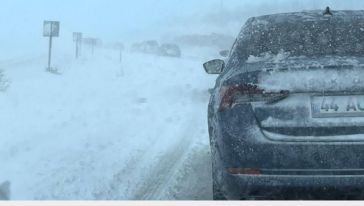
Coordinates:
120 46
77 36
91 42
51 28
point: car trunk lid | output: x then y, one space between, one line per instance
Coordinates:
325 101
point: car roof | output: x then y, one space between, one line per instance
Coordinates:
313 15
307 33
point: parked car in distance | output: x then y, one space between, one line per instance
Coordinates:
153 47
224 53
171 50
148 47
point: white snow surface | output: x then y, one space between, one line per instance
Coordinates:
104 129
311 80
281 56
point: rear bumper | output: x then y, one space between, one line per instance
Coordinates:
337 138
238 142
237 187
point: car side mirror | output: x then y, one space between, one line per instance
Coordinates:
215 66
224 53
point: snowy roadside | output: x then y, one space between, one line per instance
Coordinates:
102 130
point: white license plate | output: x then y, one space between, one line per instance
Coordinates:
337 106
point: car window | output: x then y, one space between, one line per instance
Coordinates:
302 34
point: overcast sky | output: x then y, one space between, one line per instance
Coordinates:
111 18
21 20
97 17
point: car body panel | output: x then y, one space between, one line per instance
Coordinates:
296 134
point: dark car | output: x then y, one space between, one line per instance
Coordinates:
148 47
170 50
152 47
286 116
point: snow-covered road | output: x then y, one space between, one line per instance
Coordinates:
105 130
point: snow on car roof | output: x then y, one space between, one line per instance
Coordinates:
312 15
307 33
283 61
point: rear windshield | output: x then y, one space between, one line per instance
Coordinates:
302 34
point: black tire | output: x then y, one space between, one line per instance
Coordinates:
216 189
217 194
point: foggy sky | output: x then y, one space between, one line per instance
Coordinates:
21 20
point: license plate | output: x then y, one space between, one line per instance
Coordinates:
337 106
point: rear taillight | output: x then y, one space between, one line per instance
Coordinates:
244 171
247 93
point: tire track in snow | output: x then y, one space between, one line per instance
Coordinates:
177 170
193 180
164 171
140 179
121 186
154 174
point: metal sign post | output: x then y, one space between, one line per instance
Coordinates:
91 42
92 47
49 53
77 38
50 29
120 47
121 52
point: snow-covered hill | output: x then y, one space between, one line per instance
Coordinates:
104 129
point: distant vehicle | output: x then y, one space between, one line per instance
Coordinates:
149 47
224 53
171 50
152 47
286 117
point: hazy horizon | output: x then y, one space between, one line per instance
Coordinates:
128 21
